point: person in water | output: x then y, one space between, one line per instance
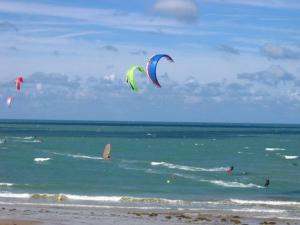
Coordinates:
229 171
267 183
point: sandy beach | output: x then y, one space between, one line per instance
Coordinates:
65 215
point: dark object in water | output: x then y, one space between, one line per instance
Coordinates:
231 168
267 183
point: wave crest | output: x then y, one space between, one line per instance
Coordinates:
40 160
290 156
275 149
6 184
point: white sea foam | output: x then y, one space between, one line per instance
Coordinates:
30 141
94 198
40 160
15 137
188 168
259 210
233 184
85 157
230 184
6 184
86 206
152 200
290 156
67 196
14 195
288 218
275 149
259 202
90 198
27 141
78 156
28 138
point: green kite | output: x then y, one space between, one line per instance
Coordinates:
131 74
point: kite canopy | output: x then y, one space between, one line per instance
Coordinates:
131 74
106 152
19 81
9 101
151 67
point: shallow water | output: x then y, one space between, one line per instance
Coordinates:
151 163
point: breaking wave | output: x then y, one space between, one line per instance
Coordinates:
270 203
40 160
275 149
6 184
290 156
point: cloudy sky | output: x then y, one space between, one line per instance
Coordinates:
235 60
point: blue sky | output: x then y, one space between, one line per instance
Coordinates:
235 60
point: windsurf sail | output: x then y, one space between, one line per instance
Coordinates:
106 152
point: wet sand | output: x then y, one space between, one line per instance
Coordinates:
17 222
64 215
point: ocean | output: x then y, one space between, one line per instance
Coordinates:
178 166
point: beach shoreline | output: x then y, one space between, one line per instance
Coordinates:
64 215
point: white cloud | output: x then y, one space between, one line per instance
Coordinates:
288 4
280 52
111 77
110 98
183 10
273 76
105 17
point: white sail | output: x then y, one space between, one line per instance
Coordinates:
106 152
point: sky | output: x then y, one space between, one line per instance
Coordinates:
235 60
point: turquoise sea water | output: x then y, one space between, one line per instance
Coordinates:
152 164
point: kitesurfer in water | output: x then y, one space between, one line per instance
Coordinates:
267 183
229 171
